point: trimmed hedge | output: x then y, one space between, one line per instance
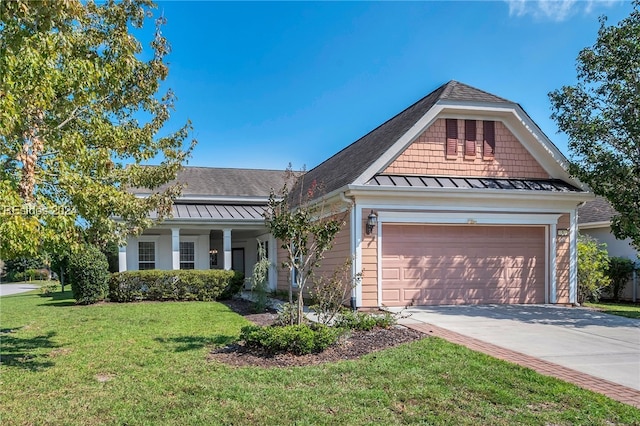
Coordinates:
89 275
213 284
297 339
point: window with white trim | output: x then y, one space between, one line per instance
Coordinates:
187 255
146 255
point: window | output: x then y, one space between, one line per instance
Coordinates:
263 245
489 139
452 137
469 138
146 255
187 255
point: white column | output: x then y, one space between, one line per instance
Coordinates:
226 247
573 257
122 258
175 248
553 292
273 258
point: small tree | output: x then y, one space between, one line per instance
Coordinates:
260 278
330 293
593 261
619 272
300 221
89 275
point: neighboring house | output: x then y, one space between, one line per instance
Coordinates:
471 204
594 219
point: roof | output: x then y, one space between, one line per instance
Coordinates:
551 185
231 212
351 162
224 182
598 210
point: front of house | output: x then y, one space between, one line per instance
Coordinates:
467 202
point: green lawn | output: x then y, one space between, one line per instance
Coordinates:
146 363
629 310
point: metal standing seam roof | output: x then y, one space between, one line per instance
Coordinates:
232 212
405 181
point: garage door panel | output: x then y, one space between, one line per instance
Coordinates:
462 264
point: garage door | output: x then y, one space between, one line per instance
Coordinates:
434 264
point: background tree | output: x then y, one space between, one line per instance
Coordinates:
79 118
601 116
305 228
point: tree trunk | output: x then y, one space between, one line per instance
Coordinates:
300 308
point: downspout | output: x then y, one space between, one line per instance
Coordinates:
351 201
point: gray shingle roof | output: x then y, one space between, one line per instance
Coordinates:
598 210
223 182
347 165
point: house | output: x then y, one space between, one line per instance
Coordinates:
458 199
594 219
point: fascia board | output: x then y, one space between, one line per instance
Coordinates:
594 225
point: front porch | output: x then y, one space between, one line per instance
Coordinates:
200 247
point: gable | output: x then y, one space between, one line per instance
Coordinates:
428 154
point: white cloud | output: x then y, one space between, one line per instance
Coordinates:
555 10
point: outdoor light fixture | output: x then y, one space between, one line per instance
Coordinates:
372 220
562 232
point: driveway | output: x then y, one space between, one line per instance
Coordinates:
601 345
7 289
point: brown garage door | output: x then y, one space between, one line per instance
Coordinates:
432 264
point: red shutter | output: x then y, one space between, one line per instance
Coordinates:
469 138
489 144
452 137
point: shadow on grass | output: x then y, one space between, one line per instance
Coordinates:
19 352
59 299
191 343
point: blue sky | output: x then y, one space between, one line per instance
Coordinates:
268 83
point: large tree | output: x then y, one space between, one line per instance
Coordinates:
80 116
601 116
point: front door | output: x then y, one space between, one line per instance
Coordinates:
237 259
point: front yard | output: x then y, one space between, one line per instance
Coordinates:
146 363
629 310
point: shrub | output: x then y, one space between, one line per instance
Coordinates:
288 315
619 272
298 339
331 293
49 289
211 284
89 275
363 320
592 267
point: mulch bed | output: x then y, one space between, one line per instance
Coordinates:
352 346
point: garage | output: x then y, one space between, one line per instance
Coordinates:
465 264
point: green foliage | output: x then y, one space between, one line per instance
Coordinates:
299 339
89 275
363 320
330 294
593 261
600 116
288 315
80 113
260 278
305 228
619 272
206 285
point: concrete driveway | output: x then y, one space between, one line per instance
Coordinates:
601 345
7 289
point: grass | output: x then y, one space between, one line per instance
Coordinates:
629 310
146 364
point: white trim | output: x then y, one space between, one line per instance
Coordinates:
354 255
175 248
357 231
546 264
379 259
468 218
573 257
593 225
553 231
